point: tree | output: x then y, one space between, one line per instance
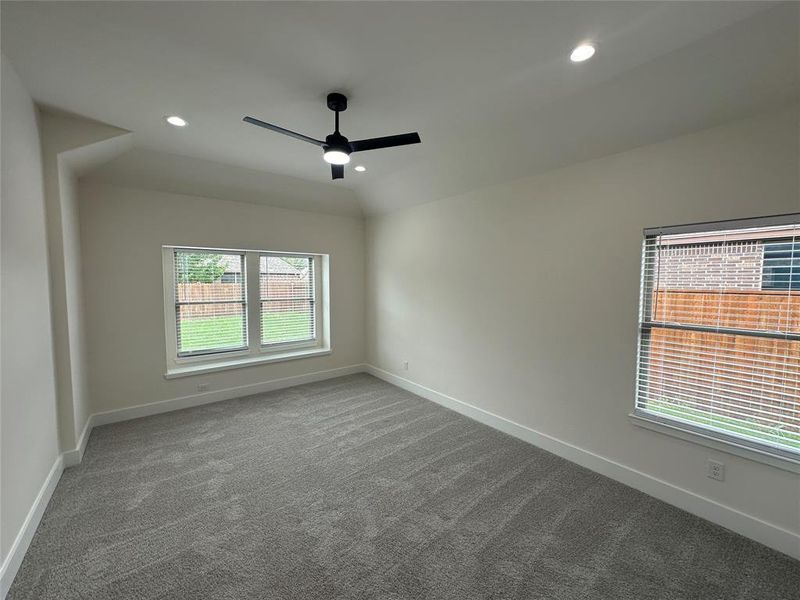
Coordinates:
301 263
200 267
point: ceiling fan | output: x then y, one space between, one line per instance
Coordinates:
337 148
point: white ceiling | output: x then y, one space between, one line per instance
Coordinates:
487 84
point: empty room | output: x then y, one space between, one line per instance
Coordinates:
400 300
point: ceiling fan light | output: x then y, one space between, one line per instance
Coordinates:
336 157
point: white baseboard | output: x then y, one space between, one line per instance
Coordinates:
766 533
154 408
75 456
20 546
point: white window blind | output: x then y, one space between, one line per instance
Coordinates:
210 302
288 298
719 343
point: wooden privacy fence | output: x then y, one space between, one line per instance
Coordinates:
770 310
731 375
277 288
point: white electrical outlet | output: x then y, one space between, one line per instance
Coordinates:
716 470
202 387
405 365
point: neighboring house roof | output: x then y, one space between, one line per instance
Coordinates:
275 265
233 263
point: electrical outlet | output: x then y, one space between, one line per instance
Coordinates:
202 387
716 470
405 365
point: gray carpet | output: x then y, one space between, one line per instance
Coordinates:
352 488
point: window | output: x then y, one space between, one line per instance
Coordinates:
719 333
287 299
781 265
239 307
210 313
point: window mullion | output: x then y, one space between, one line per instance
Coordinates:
252 293
316 267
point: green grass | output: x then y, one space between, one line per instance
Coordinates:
284 327
752 429
226 332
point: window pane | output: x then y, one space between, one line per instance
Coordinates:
211 313
287 321
719 284
782 265
208 276
734 383
287 299
207 327
720 320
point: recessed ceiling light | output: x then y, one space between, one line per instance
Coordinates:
361 168
582 53
176 121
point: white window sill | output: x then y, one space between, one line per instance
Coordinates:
716 441
239 363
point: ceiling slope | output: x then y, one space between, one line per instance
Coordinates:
161 171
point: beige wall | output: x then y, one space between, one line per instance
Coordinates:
122 231
68 143
522 298
28 423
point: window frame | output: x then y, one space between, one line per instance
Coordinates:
317 302
255 353
726 442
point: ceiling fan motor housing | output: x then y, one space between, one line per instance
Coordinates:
337 102
336 141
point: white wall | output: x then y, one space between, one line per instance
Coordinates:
521 299
122 231
28 422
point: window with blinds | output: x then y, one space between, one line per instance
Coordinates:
719 342
226 308
781 265
210 302
287 295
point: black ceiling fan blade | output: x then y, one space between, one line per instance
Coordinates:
275 128
337 171
385 142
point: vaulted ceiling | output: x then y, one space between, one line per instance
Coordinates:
488 85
